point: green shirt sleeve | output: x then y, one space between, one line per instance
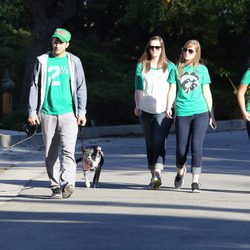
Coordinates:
246 78
172 77
138 77
205 76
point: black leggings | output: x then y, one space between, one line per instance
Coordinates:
191 129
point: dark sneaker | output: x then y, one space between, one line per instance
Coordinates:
196 187
57 193
156 182
150 185
68 191
179 179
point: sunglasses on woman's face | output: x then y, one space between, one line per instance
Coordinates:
190 51
154 47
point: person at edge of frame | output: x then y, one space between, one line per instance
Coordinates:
243 97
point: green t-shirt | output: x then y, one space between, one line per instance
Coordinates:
246 81
190 99
58 97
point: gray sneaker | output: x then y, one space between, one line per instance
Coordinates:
57 193
179 179
68 191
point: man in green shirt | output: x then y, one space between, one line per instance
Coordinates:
58 99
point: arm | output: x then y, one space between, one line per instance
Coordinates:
33 96
81 92
208 97
171 99
138 95
241 101
138 89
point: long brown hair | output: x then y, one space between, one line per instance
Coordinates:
196 59
146 56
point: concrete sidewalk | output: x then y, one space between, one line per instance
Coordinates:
123 213
8 137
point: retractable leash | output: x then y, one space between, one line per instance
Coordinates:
30 131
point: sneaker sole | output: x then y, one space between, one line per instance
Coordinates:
57 196
196 191
68 191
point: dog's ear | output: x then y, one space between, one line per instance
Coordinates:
99 149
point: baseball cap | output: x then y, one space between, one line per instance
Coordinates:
62 34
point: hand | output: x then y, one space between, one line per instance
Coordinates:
212 122
246 116
81 120
33 120
137 111
169 113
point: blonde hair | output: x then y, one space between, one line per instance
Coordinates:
146 56
195 61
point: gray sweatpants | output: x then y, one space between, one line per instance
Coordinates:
60 135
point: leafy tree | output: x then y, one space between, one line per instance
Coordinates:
221 26
14 39
109 36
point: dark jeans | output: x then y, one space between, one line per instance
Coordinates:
156 128
248 128
191 129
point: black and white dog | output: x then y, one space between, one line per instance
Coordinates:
92 161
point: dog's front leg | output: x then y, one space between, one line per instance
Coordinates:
97 176
86 179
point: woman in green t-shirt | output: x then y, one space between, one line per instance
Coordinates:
190 89
244 99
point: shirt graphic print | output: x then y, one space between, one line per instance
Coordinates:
189 81
58 96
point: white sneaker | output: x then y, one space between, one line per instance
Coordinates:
68 191
156 182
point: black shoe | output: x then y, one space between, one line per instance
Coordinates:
179 179
196 187
68 190
57 193
150 185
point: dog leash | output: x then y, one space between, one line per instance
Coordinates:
30 131
81 136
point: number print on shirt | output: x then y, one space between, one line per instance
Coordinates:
189 81
54 72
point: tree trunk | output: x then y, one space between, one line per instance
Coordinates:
47 16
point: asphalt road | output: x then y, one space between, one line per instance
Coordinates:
122 213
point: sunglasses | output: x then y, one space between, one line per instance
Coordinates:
190 51
154 47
